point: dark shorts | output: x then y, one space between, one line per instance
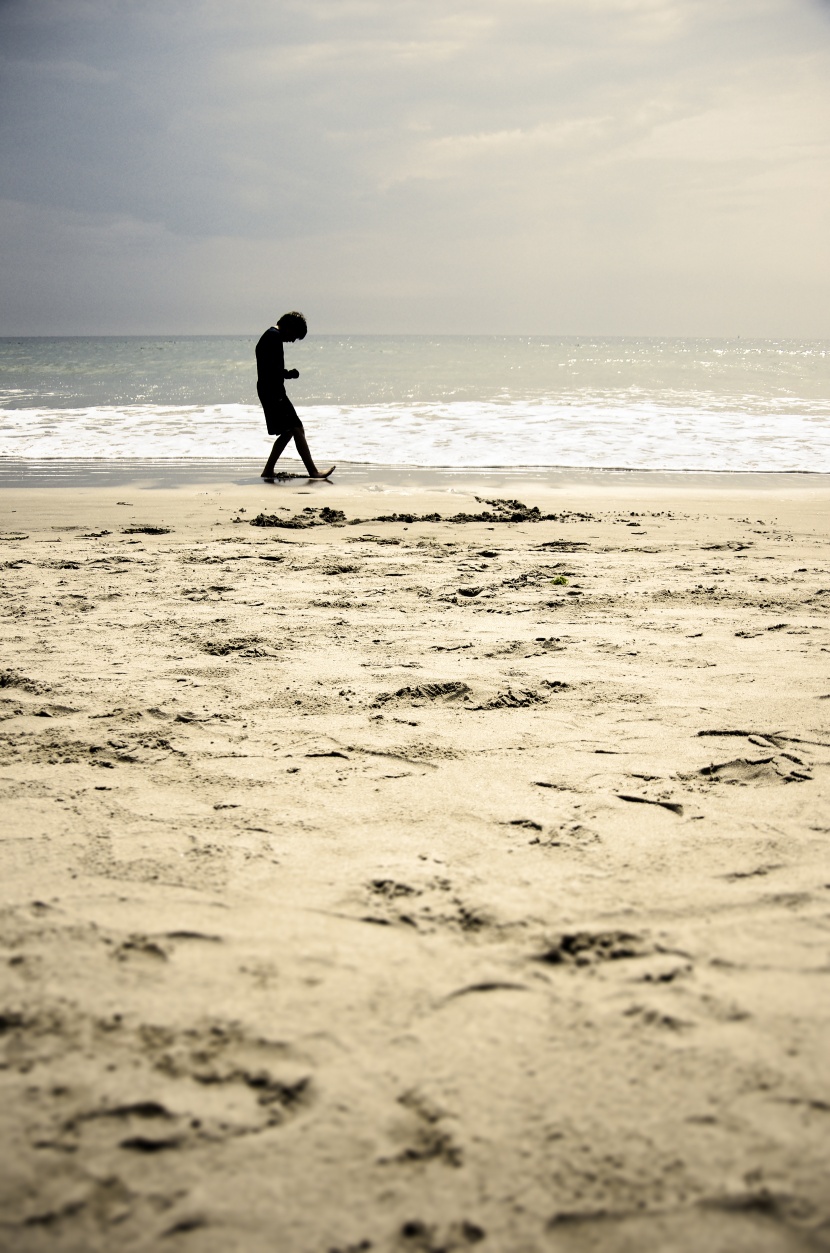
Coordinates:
280 414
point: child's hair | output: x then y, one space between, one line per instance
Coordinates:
293 322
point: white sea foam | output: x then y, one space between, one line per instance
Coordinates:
761 433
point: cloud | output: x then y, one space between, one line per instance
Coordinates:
452 156
477 158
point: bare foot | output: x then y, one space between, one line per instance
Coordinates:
323 474
269 478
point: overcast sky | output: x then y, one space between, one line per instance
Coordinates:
530 166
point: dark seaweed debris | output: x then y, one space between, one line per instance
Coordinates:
302 521
401 517
499 511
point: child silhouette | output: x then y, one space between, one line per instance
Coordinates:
280 415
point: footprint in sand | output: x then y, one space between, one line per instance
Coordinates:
587 948
752 770
219 1083
421 1237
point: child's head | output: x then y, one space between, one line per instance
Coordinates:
292 326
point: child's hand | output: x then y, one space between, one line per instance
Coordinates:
292 374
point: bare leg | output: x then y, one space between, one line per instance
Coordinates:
276 452
305 453
280 445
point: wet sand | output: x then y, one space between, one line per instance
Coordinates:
416 885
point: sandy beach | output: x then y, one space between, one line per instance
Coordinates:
416 885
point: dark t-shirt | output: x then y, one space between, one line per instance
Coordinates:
270 363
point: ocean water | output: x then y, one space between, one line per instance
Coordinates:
465 401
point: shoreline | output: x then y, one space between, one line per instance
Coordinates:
170 472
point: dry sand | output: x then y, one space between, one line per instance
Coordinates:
364 887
